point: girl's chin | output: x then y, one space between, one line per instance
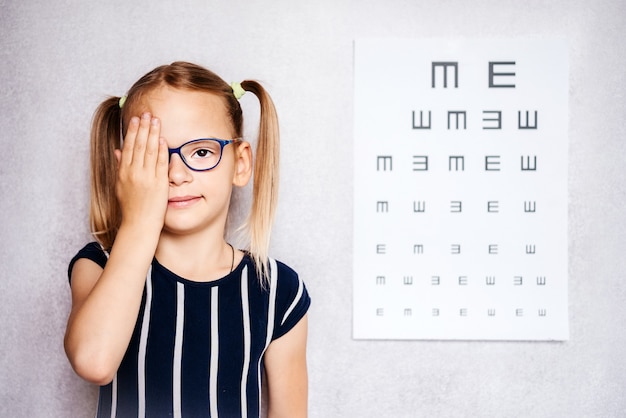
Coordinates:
175 224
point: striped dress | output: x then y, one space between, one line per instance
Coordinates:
197 348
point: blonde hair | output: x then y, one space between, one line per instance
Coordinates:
105 214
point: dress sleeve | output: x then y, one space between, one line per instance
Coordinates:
292 300
92 251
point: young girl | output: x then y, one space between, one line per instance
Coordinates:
168 317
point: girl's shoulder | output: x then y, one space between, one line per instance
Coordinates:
281 275
292 300
285 272
92 251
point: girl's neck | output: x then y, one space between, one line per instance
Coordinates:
199 257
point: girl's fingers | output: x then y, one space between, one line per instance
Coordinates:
129 141
141 143
163 159
152 143
139 147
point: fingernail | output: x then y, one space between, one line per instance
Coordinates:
146 115
134 120
155 121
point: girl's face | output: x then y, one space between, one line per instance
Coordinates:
197 200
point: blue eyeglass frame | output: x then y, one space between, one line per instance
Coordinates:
222 142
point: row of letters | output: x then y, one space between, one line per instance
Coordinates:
495 74
455 163
464 280
455 249
456 206
463 312
457 119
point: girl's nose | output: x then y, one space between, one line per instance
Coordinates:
178 171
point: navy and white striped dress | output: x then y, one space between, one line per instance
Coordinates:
197 348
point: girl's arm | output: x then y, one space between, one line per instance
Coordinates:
105 303
286 371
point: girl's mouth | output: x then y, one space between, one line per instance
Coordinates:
182 201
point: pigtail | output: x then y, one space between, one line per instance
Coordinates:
105 214
265 185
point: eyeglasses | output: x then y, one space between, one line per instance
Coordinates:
202 154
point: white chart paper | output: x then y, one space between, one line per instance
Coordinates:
460 201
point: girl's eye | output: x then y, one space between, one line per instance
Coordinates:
202 153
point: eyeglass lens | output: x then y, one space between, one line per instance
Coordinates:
202 155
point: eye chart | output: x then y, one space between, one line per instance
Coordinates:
460 200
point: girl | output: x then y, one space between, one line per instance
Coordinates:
168 317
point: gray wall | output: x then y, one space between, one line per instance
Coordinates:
60 59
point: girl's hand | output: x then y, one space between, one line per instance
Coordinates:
143 184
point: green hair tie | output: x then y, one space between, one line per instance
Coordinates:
122 101
238 91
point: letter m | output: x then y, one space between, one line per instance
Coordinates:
458 114
445 65
382 160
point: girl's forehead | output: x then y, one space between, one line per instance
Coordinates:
172 98
187 113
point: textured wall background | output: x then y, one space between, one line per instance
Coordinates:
59 59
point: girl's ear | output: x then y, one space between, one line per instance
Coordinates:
243 164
